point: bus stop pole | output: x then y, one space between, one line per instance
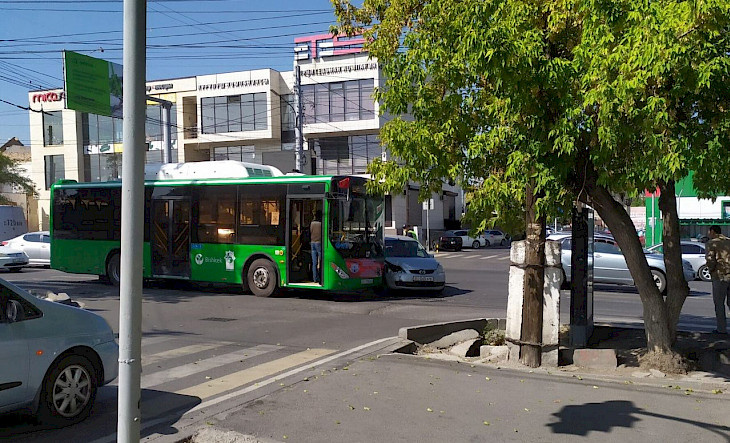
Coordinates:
130 285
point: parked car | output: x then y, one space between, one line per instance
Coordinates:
36 245
449 240
496 237
409 266
609 264
694 253
12 259
471 242
54 357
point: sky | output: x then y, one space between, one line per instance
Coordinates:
184 38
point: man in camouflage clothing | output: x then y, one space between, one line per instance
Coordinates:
718 262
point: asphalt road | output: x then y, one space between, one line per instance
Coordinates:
207 346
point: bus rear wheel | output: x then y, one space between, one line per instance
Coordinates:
112 270
262 279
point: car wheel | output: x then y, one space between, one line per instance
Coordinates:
659 279
68 391
476 244
503 242
113 274
262 278
704 273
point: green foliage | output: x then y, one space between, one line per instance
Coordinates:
10 175
496 92
492 336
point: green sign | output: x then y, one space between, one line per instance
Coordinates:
92 85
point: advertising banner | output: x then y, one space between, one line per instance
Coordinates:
92 85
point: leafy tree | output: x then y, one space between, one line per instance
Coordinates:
533 104
11 175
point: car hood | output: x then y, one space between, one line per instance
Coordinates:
408 263
77 325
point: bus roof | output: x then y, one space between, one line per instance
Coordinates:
202 181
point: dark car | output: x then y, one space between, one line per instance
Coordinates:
449 240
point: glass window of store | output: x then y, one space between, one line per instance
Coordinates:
52 128
54 169
234 113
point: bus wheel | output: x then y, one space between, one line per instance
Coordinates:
112 270
262 280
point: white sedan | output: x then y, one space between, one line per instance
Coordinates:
471 242
36 245
693 252
12 260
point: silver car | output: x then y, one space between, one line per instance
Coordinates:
409 266
609 264
54 357
694 253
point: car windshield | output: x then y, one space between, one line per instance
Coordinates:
399 248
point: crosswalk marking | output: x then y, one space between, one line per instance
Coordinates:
506 257
240 378
456 255
179 352
487 257
160 377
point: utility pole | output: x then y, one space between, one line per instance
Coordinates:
299 125
130 284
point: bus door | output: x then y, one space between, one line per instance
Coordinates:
301 213
170 237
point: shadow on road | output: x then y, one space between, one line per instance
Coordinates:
603 417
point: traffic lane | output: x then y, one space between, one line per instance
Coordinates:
295 318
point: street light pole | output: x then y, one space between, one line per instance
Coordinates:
130 282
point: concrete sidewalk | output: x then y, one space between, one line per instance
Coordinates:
397 397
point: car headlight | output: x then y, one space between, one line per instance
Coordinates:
343 275
439 269
393 268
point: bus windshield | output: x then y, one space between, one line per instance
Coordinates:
356 226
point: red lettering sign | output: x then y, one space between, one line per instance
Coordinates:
48 97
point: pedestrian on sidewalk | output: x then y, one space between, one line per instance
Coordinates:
717 256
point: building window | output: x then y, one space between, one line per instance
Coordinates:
338 101
238 153
52 128
345 155
288 122
234 113
102 167
55 169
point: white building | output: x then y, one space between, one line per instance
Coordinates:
244 115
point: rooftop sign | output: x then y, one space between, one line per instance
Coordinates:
327 45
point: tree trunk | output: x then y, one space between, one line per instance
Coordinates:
677 287
658 337
532 306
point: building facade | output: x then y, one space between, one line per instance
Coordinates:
247 116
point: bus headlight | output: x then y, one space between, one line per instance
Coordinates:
343 275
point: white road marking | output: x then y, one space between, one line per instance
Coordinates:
487 257
506 257
220 385
160 377
179 352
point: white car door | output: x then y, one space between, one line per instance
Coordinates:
14 361
45 253
31 245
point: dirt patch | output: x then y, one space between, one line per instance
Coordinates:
630 346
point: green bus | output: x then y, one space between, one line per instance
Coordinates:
251 231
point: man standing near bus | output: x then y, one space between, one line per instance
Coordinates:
315 232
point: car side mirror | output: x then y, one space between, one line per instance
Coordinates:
14 311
